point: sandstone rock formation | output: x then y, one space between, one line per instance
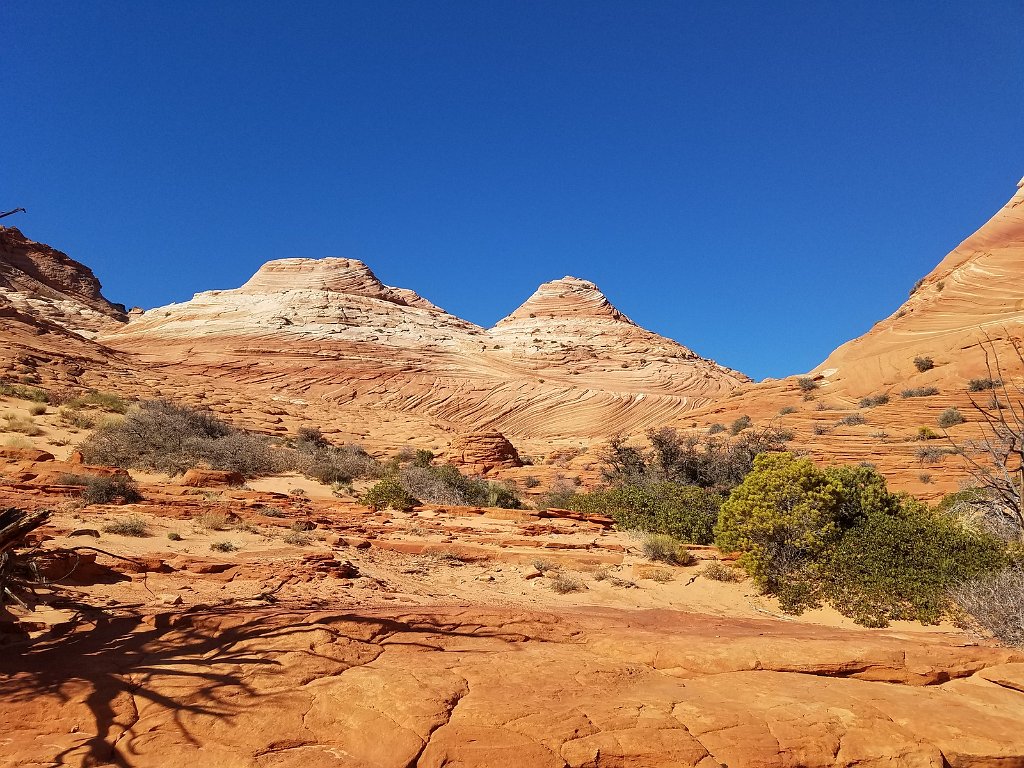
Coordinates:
483 451
38 280
970 305
329 331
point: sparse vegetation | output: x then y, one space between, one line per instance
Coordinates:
714 429
873 400
852 420
740 424
665 549
923 363
919 392
719 571
22 392
786 410
837 535
174 536
16 422
564 583
104 401
994 603
167 437
928 454
388 493
926 433
297 539
104 489
72 417
950 418
982 385
224 546
807 384
129 526
37 409
214 520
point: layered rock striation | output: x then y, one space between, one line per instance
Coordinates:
565 364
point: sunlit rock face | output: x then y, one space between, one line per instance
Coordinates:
566 363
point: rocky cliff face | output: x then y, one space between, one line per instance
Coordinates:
41 281
565 364
971 306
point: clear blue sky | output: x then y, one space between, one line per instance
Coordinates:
760 181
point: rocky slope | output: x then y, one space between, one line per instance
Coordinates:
971 306
565 365
379 639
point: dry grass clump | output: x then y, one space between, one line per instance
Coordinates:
543 566
214 520
564 583
660 575
71 417
298 539
224 546
129 526
719 571
663 548
15 422
604 574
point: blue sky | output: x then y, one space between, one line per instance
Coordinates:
760 181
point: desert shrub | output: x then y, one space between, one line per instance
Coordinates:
926 433
705 461
105 401
665 549
810 535
21 392
331 464
807 384
388 493
37 409
530 481
923 363
74 418
224 546
543 566
167 437
786 410
214 520
925 478
423 458
174 536
447 485
564 583
919 392
978 509
852 420
928 454
740 424
981 385
297 539
561 495
104 489
994 602
715 428
719 571
917 286
872 400
821 429
685 512
15 422
129 526
950 418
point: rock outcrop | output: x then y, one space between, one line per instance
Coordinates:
911 367
328 331
483 451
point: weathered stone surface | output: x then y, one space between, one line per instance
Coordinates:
210 478
483 451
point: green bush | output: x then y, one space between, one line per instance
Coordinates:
447 485
388 493
105 401
685 512
837 534
665 549
20 391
